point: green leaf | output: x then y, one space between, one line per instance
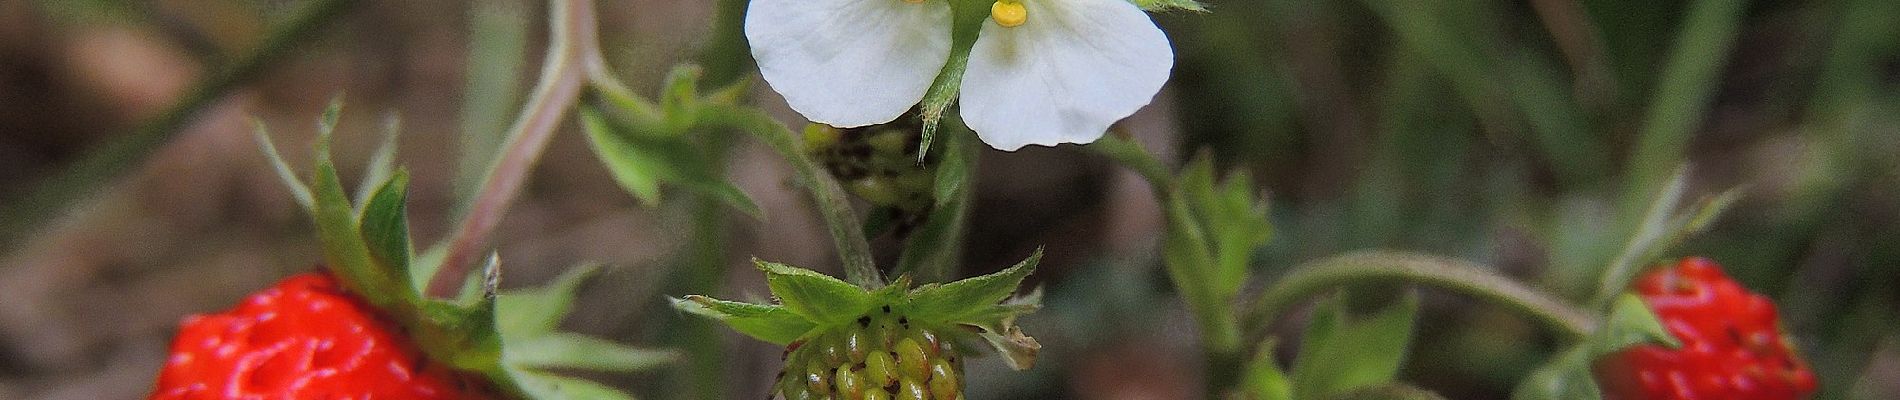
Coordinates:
1338 355
640 163
680 101
298 190
962 299
1263 379
543 386
1566 377
385 225
575 351
534 312
1169 5
818 297
769 323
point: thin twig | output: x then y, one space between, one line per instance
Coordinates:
571 29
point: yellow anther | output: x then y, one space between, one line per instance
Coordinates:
1009 13
914 1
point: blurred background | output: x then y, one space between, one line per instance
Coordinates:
1512 133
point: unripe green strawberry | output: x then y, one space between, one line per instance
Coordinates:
843 341
910 361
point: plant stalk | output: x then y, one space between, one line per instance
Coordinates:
1470 279
572 50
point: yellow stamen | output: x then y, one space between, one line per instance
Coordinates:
914 1
1009 13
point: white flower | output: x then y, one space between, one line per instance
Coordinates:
1041 71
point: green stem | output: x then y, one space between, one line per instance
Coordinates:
1467 278
840 219
572 50
114 158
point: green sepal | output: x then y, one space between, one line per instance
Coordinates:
382 163
967 18
543 386
582 352
770 323
462 336
640 163
1169 5
345 251
1568 377
527 313
1019 350
818 297
385 224
298 190
966 298
1663 226
1338 355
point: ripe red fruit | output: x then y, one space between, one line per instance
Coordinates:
305 338
1732 346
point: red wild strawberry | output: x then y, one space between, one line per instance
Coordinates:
304 338
1732 345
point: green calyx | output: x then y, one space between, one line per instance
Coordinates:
889 341
508 337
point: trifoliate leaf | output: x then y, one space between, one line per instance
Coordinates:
962 299
575 351
533 312
385 224
818 297
770 323
1339 355
543 386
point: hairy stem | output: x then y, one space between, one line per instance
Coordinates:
840 219
1463 277
572 49
113 159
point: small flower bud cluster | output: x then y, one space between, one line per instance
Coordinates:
880 356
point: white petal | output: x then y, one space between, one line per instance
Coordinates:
1065 75
849 62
